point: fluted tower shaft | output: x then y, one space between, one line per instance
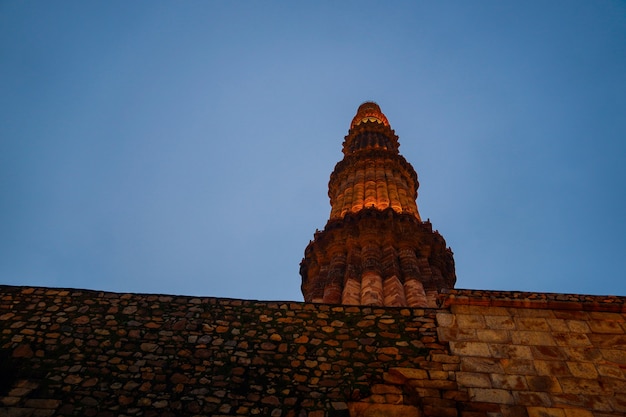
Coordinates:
375 250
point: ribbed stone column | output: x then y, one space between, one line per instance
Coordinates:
351 292
371 280
372 289
415 294
333 289
375 249
332 293
394 292
318 289
382 195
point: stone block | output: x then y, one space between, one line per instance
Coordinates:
585 370
518 366
426 392
571 315
557 325
376 398
479 349
577 326
509 382
610 371
443 358
446 319
149 347
19 391
549 353
23 351
614 384
532 398
450 366
490 395
555 368
532 323
599 404
339 405
583 354
493 336
543 383
10 401
616 356
470 321
532 338
510 351
612 341
439 384
503 322
571 339
393 378
473 379
485 365
582 386
434 374
608 316
610 327
455 333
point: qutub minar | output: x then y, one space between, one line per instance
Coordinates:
375 248
382 332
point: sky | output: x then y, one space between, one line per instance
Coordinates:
185 147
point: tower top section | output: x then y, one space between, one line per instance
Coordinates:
369 112
372 173
370 130
375 249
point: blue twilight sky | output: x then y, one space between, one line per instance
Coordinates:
186 147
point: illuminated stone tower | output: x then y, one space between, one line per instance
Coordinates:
375 249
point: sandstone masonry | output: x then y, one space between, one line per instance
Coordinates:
67 352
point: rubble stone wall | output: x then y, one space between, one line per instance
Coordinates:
67 352
77 352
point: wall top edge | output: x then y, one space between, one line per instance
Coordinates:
485 298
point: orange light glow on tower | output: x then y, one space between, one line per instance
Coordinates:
375 249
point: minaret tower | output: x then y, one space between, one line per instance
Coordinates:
375 249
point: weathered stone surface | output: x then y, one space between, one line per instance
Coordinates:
236 357
473 379
229 357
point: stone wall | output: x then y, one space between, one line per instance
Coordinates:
520 355
76 352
